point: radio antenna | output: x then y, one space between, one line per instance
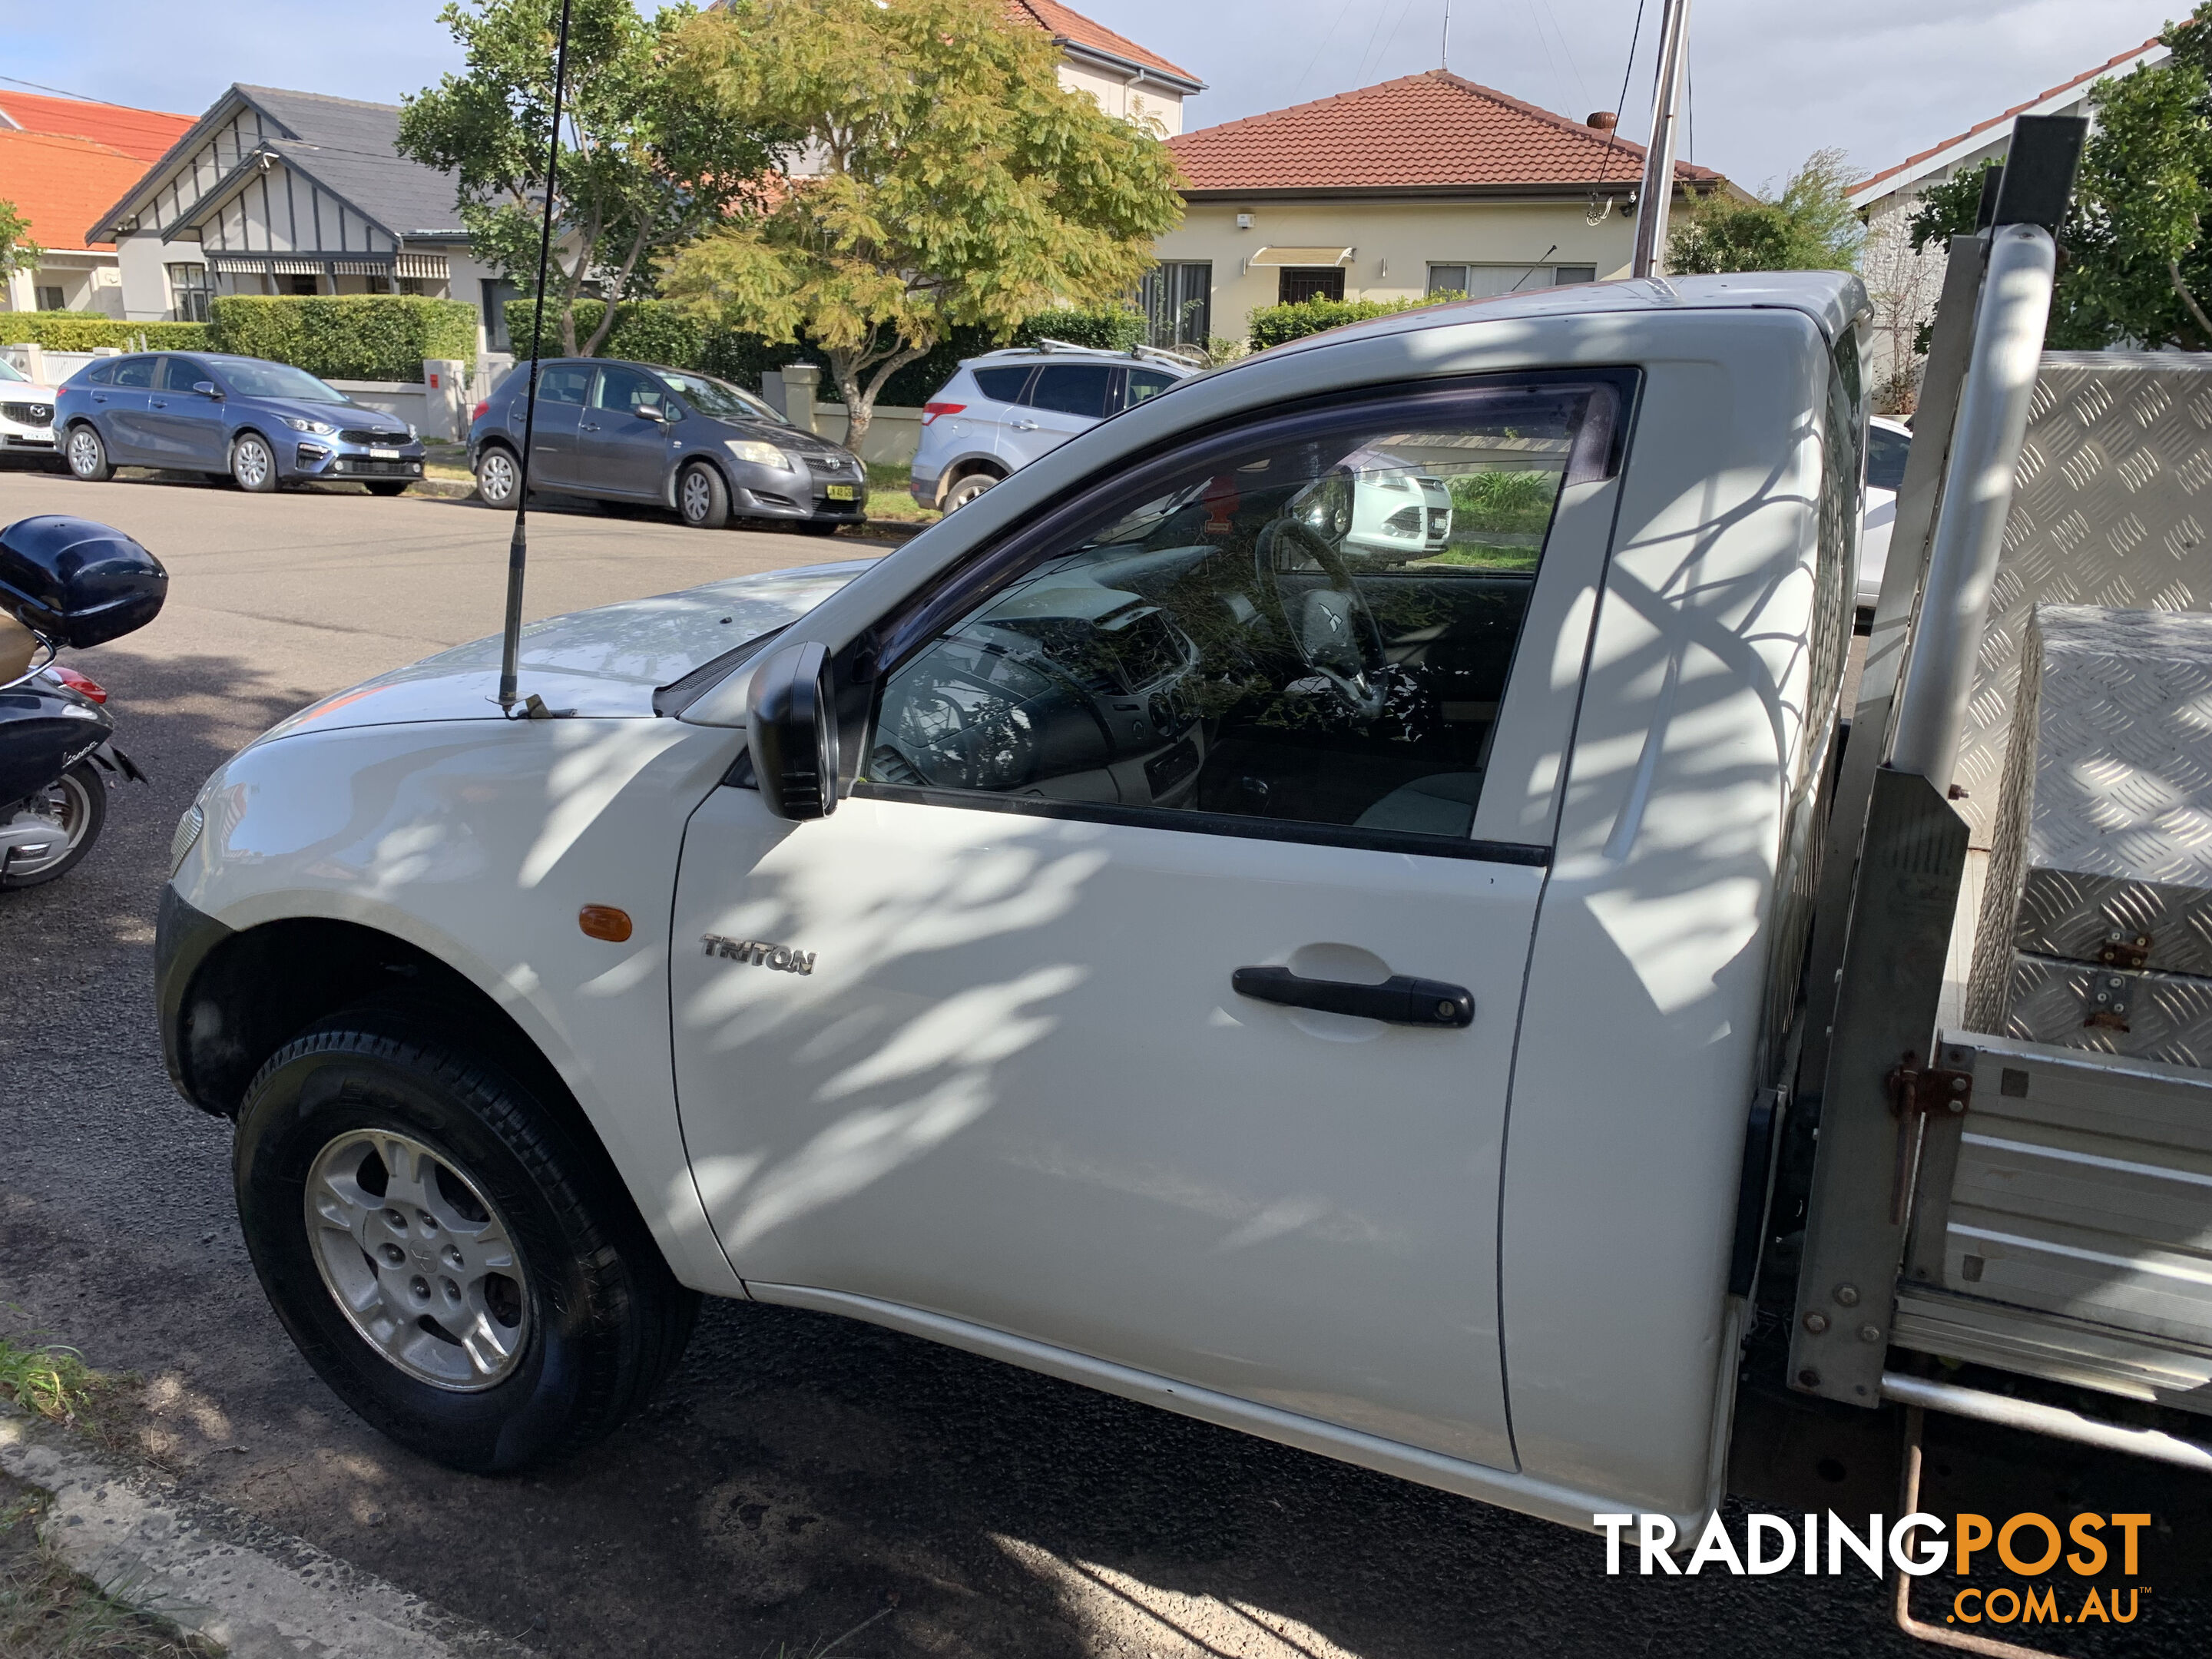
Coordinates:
518 550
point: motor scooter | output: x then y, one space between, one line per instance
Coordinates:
63 582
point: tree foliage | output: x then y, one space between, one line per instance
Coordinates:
936 176
1809 225
2134 268
17 250
643 166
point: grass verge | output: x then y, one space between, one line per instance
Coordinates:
48 1611
52 1380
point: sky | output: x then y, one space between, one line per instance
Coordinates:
1771 81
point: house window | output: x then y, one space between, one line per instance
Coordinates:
1299 283
1479 281
49 299
188 292
376 285
302 284
1177 300
410 285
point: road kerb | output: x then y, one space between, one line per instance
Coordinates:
210 1571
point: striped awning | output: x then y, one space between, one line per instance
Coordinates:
429 266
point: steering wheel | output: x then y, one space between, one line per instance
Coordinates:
1331 628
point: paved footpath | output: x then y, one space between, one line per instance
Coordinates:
802 1477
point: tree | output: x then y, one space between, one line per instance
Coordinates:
17 250
1809 225
2133 267
937 176
642 169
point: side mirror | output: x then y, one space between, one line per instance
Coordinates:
208 389
653 412
791 722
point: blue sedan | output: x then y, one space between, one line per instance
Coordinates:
258 424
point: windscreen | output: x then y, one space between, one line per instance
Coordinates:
9 372
721 399
260 380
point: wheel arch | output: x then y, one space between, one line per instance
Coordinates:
704 458
962 466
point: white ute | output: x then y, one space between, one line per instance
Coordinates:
1147 928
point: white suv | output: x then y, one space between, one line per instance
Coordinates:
1003 409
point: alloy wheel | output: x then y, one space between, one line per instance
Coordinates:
66 805
83 452
250 463
418 1260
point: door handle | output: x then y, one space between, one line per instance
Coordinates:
1399 1000
98 398
158 404
1026 426
589 426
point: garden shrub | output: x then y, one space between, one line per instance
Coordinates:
346 336
83 330
1274 325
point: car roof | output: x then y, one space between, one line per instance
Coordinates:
1145 356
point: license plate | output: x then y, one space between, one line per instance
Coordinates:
840 492
384 454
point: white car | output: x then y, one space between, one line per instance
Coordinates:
27 415
1000 412
1888 442
1115 931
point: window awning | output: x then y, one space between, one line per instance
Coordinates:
1301 256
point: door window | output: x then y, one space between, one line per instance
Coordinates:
563 383
1308 624
1887 453
1072 389
625 392
136 371
181 375
1145 383
1002 385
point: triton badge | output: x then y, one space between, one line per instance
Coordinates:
759 953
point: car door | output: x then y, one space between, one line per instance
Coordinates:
120 410
621 450
1061 400
185 426
1019 1036
556 462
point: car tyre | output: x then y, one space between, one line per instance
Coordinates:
702 499
967 487
590 1319
499 475
87 454
253 463
387 486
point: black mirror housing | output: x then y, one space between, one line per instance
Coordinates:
791 721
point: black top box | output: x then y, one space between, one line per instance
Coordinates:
76 582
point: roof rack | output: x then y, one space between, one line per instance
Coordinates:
1047 348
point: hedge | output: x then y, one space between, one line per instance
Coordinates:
83 330
350 336
655 332
1274 325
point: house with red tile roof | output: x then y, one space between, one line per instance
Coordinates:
1426 183
1126 79
1902 285
61 160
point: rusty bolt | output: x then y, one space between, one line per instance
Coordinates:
1870 1332
1816 1323
1848 1295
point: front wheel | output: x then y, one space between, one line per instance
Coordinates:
254 464
75 806
458 1268
701 497
88 455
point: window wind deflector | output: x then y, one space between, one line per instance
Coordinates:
670 700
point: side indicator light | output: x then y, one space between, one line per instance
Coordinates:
605 921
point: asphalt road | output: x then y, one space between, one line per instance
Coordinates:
802 1475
